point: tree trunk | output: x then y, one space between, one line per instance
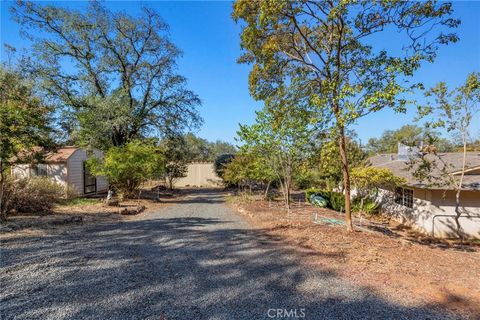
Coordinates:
265 195
3 207
346 177
458 213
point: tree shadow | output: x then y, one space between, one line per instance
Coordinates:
178 268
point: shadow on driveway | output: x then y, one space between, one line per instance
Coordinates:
185 267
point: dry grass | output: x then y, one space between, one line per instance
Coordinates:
394 261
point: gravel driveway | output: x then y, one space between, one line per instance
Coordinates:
194 260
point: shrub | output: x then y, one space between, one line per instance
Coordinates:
335 200
314 191
370 206
126 167
33 195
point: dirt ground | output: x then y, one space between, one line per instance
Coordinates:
391 260
88 210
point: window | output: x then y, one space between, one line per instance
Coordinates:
39 170
89 181
404 197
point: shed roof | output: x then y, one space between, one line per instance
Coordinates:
450 162
58 156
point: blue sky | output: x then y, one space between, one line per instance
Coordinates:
209 39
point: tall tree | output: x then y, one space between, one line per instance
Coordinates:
114 73
326 48
24 124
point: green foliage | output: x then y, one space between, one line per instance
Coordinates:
24 124
202 150
409 135
367 180
221 163
366 206
323 49
335 200
279 139
245 168
126 167
121 81
330 164
176 155
33 195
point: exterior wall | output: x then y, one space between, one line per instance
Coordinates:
21 171
430 205
199 174
75 171
56 171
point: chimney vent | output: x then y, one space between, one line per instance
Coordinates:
406 153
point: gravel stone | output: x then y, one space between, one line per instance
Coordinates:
193 260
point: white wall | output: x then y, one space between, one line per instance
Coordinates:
75 171
21 171
431 203
58 173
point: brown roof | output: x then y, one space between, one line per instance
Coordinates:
58 156
450 162
61 155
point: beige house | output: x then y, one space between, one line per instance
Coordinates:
200 174
66 166
430 207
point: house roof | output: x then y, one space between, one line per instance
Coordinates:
58 156
450 162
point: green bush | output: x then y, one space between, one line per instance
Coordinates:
314 191
370 207
335 200
126 167
34 195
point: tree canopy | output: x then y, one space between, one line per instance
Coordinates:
25 123
113 74
324 47
409 135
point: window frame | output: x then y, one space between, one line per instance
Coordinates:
39 170
404 196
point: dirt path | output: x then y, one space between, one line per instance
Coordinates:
194 260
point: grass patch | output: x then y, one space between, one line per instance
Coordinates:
79 202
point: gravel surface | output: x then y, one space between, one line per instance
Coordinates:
194 260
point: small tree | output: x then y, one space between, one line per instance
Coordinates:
176 156
220 164
368 180
127 167
24 124
454 111
247 168
281 137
